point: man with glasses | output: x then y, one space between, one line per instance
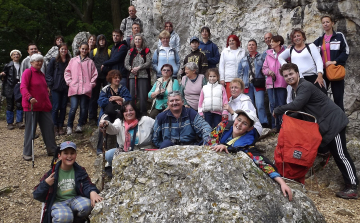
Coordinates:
179 125
126 24
174 37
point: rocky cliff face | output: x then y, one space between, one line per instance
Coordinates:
252 19
195 184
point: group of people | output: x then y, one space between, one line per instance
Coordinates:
192 104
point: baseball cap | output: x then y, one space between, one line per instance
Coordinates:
194 38
67 144
248 113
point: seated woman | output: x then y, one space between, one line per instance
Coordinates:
161 88
112 96
240 136
133 131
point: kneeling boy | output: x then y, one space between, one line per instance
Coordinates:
66 188
240 136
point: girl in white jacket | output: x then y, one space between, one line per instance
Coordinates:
240 101
212 98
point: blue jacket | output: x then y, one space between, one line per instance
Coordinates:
243 70
339 49
117 57
162 58
211 51
55 75
105 94
185 129
83 187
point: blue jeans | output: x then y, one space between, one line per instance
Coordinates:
280 99
109 155
257 98
63 211
212 118
58 111
84 106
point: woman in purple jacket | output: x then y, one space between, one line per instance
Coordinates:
275 83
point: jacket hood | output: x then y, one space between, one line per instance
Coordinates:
241 97
121 42
207 43
97 41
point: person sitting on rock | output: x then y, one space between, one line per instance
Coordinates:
239 135
66 189
179 125
332 123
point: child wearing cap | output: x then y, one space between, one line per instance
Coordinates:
239 135
196 56
66 189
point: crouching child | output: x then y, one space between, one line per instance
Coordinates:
239 136
66 189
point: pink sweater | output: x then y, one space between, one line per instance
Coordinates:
272 63
80 76
33 85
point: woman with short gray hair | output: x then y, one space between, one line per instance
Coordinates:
37 107
191 85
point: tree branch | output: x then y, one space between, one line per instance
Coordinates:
77 10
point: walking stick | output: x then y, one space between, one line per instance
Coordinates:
103 129
32 135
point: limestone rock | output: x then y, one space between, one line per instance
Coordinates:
195 184
78 39
111 140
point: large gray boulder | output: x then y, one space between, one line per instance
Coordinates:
195 184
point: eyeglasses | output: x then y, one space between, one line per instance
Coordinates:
166 70
174 93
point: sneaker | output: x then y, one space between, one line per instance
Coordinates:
27 158
20 125
349 192
78 129
68 130
10 126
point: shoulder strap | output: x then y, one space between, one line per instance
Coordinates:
109 52
308 48
94 51
120 47
291 49
250 66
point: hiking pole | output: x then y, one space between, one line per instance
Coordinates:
32 135
103 129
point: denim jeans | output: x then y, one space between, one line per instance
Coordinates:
84 106
109 155
280 99
93 106
257 98
63 211
58 111
212 118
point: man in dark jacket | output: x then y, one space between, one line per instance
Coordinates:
117 56
332 123
196 56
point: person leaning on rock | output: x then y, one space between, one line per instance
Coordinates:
240 135
332 123
126 24
179 125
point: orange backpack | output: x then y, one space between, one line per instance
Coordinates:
297 147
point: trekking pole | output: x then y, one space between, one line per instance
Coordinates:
32 135
103 129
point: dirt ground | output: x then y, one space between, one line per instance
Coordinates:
18 179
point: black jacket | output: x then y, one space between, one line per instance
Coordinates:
117 57
100 56
308 98
9 80
45 193
55 75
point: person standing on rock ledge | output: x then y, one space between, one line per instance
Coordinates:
179 125
332 123
240 135
126 24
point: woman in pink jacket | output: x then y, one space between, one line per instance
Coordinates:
80 75
37 107
275 83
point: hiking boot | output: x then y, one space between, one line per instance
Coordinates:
349 192
78 129
68 130
61 131
56 132
10 126
27 158
20 125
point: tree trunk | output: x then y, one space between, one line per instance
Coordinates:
88 10
116 13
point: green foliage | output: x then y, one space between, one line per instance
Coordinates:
39 21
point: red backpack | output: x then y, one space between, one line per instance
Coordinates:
297 147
